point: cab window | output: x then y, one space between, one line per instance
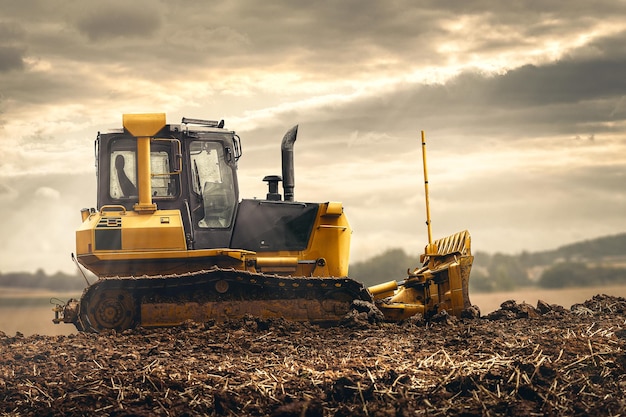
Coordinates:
123 172
163 182
213 183
123 183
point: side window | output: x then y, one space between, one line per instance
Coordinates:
123 171
213 181
164 183
123 183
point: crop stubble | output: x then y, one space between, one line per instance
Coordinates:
518 360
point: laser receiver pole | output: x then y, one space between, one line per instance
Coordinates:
430 249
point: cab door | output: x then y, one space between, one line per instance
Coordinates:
214 193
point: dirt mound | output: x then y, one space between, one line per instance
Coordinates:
518 360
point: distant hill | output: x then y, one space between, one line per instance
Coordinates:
586 263
604 248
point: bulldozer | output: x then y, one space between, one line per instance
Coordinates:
171 241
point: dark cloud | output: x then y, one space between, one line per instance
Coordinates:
606 46
11 58
11 31
572 96
110 20
525 12
564 81
318 37
349 40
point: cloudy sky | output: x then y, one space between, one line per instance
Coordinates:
523 104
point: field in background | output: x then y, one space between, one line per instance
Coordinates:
566 297
30 312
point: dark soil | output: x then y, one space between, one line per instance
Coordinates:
520 360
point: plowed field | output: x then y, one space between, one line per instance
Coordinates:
519 360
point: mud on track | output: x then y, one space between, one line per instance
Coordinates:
518 360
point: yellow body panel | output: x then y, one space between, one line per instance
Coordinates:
329 246
163 230
157 240
162 262
109 240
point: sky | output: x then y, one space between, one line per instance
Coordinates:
523 104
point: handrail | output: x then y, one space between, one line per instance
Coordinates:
112 207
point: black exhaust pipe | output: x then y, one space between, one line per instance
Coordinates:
286 148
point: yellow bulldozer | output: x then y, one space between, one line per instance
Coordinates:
171 241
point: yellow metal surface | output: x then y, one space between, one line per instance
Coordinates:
162 230
148 124
144 180
332 208
276 264
279 261
234 256
459 242
149 244
386 289
144 126
84 234
430 234
442 283
331 241
162 262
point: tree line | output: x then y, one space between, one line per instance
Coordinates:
40 280
593 262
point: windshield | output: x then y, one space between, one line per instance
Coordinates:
213 182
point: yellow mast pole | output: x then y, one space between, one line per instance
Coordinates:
430 233
431 248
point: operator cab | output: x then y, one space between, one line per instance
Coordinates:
168 202
190 170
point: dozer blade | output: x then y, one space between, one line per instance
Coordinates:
441 283
216 294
